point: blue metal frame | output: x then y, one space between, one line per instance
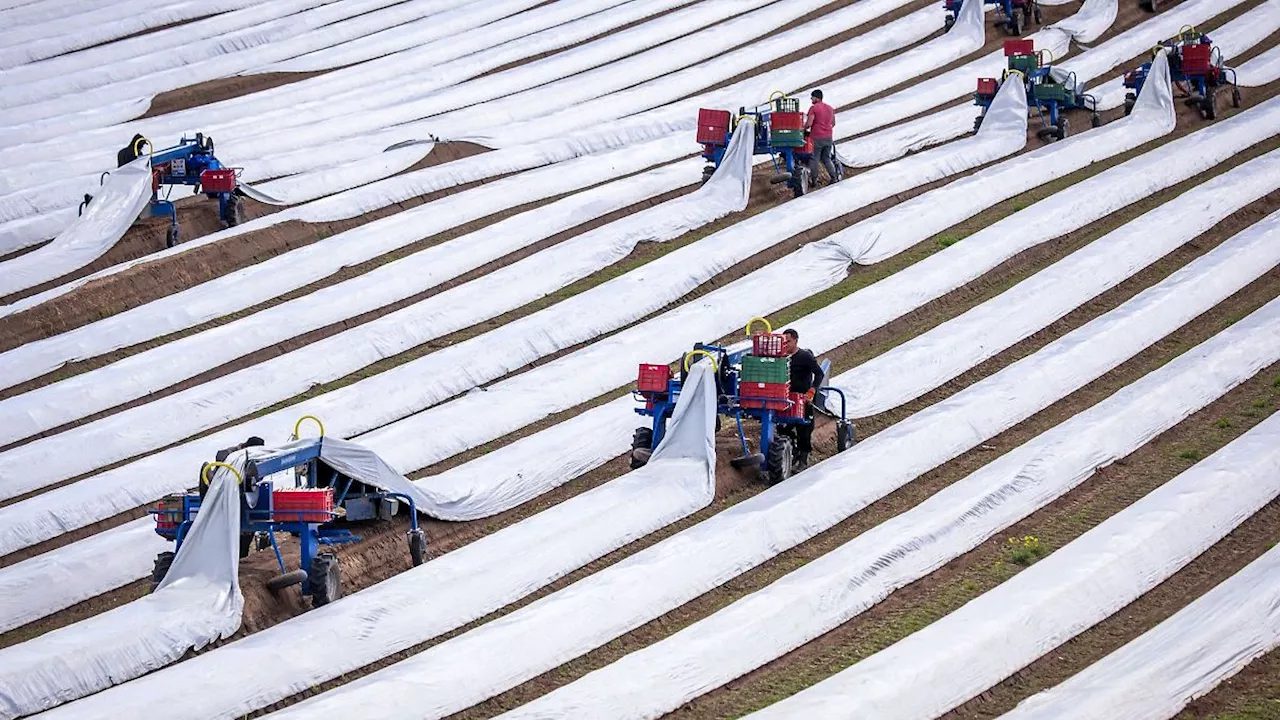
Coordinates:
195 156
1135 79
263 517
782 157
1052 106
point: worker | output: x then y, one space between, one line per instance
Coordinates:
819 125
806 378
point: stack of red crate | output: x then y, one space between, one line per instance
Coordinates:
768 396
713 126
313 505
1196 59
223 180
169 513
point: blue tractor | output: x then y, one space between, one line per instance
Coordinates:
1195 66
1051 91
190 162
750 383
289 490
779 133
1015 16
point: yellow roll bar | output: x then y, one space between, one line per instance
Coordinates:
298 425
692 353
204 475
137 146
768 328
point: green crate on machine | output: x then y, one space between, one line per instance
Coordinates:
1054 91
787 138
1024 63
766 369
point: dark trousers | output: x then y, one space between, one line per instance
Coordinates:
802 433
824 152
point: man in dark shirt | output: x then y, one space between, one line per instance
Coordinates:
806 378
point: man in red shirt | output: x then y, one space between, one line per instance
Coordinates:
819 124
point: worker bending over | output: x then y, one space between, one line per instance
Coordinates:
806 378
820 125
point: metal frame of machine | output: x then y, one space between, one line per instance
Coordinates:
1014 14
660 393
1195 62
328 499
1050 95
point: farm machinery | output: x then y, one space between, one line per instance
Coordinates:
190 162
1015 16
1051 91
1195 65
779 133
752 383
289 489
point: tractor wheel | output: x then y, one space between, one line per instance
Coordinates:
1095 121
1062 130
1129 102
172 237
642 439
164 561
977 124
235 211
417 547
844 436
707 172
780 456
1209 106
1235 97
948 23
800 185
324 580
246 543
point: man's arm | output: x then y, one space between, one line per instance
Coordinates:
808 120
818 375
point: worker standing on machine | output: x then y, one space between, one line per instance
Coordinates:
819 125
806 378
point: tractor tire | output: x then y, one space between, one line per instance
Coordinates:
1209 106
781 454
173 237
1062 130
417 547
948 23
800 185
235 211
164 561
641 439
707 172
1235 97
324 580
1095 121
844 436
977 124
289 579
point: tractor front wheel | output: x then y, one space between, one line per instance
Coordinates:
642 440
707 172
1095 121
417 547
948 23
1062 130
164 561
800 181
323 580
779 465
977 124
172 237
1129 102
844 435
1235 97
1209 106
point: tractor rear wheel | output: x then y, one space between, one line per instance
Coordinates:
707 172
1062 130
977 124
417 547
324 580
1209 106
1095 121
641 439
800 182
1235 97
173 237
164 561
844 436
235 211
781 453
948 23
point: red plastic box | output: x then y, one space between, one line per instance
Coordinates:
772 396
786 120
218 180
314 504
713 126
797 405
1019 47
653 378
169 514
987 86
772 345
1195 59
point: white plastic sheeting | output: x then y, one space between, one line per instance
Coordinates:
1261 70
444 593
198 602
262 385
959 656
485 661
441 375
1186 656
880 147
1090 23
124 193
831 590
36 101
101 24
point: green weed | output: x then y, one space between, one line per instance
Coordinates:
1025 550
1223 423
1189 454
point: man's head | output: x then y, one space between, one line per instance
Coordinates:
792 339
815 96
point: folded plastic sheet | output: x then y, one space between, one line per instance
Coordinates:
990 638
37 101
262 385
262 281
928 360
1261 70
419 383
831 590
123 195
892 142
496 656
18 61
31 41
1186 656
1090 23
198 602
442 594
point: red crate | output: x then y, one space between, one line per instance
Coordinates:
786 120
1019 47
653 378
1196 58
772 345
987 86
713 126
772 396
797 405
314 504
218 180
168 514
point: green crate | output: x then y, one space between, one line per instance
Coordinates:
1024 63
765 369
787 138
1054 91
